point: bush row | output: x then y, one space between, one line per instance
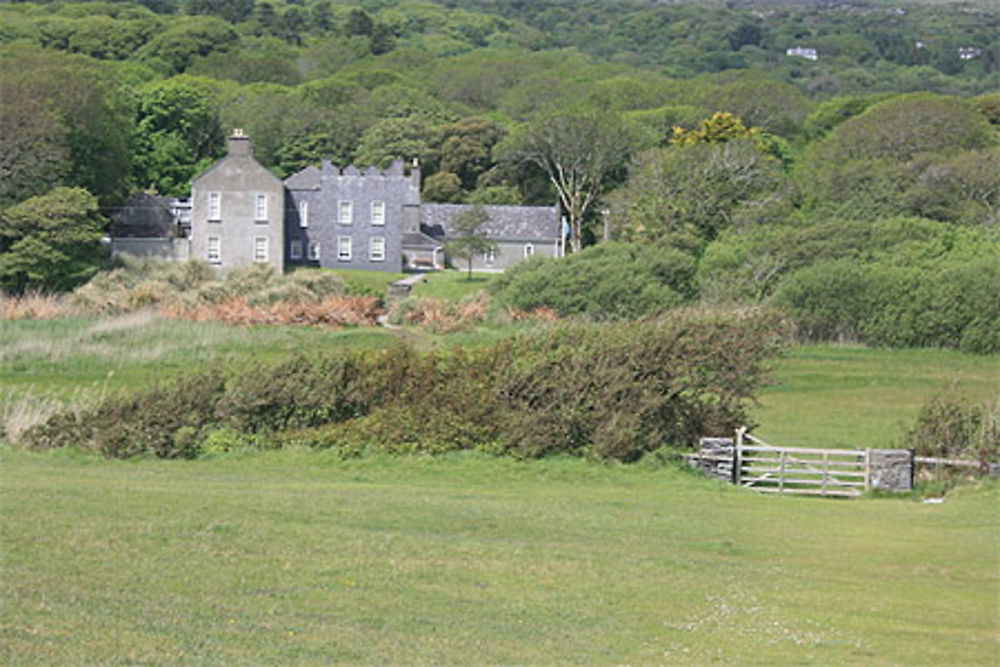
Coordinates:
613 391
950 304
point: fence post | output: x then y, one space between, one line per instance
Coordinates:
868 469
738 456
781 471
826 470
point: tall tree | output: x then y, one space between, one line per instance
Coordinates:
179 128
578 151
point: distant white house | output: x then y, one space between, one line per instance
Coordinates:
969 52
801 52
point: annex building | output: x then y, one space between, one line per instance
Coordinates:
239 213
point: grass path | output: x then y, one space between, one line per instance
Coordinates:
297 558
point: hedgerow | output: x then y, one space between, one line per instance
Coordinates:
612 391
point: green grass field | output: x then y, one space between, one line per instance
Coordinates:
290 558
297 557
451 284
855 397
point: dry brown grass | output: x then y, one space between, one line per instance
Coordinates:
335 311
36 306
442 315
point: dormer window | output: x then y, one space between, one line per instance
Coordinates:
215 206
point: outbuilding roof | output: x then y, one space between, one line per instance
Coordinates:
518 223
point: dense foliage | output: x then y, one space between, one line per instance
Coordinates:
607 281
610 392
685 128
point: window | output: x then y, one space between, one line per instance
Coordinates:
260 207
529 251
346 213
296 250
303 214
378 212
344 248
314 251
376 249
213 250
490 256
260 248
215 206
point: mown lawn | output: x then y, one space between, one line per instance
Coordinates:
856 397
293 557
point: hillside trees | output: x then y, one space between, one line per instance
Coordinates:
66 120
866 166
689 193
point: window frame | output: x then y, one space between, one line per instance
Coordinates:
303 214
213 243
215 206
261 258
341 255
313 251
379 220
260 207
372 256
349 218
295 250
529 250
490 256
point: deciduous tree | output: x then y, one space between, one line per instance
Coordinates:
578 151
470 237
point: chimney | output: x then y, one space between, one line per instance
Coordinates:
415 175
239 144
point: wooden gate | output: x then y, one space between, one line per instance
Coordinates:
844 473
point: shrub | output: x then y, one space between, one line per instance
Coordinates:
606 281
619 390
949 425
611 391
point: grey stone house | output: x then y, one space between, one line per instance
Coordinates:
347 219
239 213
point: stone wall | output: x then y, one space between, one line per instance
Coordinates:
891 469
715 457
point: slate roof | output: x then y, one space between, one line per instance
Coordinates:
307 179
516 223
420 240
144 216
